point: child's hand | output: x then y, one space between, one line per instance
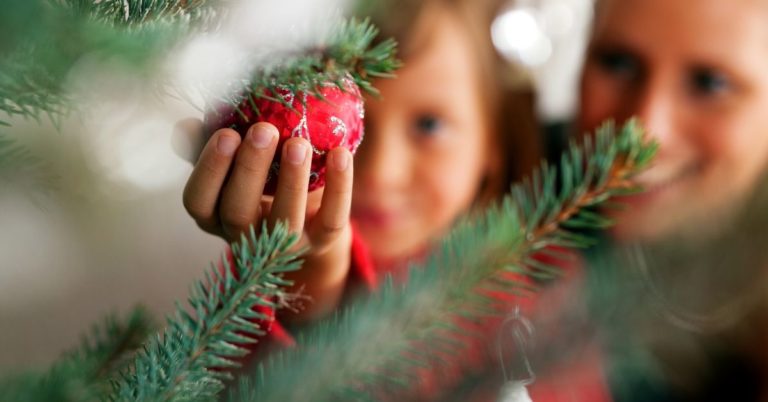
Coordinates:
224 196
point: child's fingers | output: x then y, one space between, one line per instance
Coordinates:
240 200
292 183
204 185
333 215
188 139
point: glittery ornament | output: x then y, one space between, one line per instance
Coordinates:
333 119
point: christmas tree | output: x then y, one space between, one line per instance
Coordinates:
197 354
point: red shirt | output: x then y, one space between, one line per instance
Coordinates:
579 379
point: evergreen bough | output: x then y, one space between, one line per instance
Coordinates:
373 347
190 360
36 58
375 343
378 340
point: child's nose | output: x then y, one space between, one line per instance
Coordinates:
656 108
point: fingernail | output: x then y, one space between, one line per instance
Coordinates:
296 153
261 135
340 161
227 145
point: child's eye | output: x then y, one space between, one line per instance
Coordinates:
428 124
618 62
707 82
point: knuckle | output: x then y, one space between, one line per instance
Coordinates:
332 229
236 219
339 192
196 209
208 227
210 167
249 166
338 184
293 185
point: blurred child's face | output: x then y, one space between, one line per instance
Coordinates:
696 74
427 144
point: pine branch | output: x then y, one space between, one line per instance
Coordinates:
107 348
139 13
189 361
36 58
349 52
81 375
18 165
383 339
30 89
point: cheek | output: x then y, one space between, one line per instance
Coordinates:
449 183
735 147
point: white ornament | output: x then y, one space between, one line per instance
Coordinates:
514 391
521 329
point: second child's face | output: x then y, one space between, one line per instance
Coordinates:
426 147
695 72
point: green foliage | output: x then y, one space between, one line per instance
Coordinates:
18 165
140 13
349 52
36 57
41 41
83 374
374 347
380 341
107 351
191 359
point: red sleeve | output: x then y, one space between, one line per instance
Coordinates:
582 380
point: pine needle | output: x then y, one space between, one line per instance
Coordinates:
360 354
190 360
35 58
20 168
348 53
82 375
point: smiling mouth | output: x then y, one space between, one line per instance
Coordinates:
379 218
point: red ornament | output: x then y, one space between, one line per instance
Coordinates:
328 122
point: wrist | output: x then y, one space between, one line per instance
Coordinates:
322 279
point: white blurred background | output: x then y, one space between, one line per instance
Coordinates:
114 234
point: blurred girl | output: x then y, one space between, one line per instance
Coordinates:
436 147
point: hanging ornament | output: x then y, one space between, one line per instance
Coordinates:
521 330
333 118
514 391
315 94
